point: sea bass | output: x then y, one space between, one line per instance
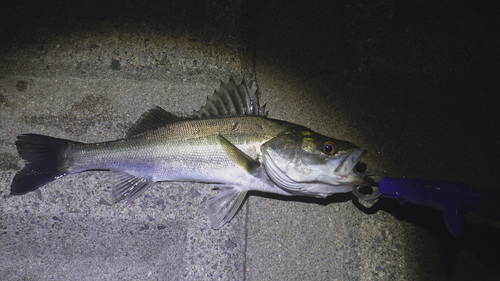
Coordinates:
229 143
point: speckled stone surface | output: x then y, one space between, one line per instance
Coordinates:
416 84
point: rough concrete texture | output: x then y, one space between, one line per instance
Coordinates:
414 83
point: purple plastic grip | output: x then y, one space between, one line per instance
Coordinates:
452 198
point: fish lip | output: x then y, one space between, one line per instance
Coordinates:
348 164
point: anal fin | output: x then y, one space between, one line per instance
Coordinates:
128 187
223 206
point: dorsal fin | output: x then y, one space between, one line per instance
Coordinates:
231 100
151 119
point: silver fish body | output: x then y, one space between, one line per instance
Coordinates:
229 143
209 150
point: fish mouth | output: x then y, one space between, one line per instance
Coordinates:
347 166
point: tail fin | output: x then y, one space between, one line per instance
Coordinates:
45 162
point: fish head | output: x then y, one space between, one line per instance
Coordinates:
303 162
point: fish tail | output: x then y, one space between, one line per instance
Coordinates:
45 161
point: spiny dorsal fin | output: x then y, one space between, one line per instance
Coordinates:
231 100
152 119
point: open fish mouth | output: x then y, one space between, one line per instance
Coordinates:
347 166
348 170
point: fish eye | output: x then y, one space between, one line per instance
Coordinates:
328 147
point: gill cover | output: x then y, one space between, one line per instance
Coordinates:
307 163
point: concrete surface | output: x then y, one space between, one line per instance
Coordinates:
414 83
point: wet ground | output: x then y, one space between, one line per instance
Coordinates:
415 84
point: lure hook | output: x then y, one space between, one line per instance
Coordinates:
375 191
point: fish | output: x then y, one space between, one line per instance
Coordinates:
230 143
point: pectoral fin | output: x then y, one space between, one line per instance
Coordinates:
223 206
237 156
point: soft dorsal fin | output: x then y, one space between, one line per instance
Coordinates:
152 119
231 100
